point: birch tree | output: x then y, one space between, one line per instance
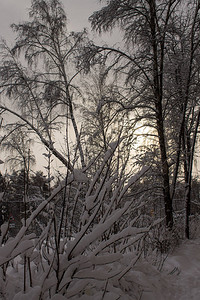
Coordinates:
40 69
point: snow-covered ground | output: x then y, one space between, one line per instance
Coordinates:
180 276
184 282
178 280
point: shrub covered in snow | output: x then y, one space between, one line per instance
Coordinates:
79 254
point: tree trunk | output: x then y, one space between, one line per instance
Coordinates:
158 63
188 163
165 172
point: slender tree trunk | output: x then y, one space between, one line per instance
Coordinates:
188 174
79 146
70 104
187 185
187 210
165 172
158 62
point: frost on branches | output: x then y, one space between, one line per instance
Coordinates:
88 246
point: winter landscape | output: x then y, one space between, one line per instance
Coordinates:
99 182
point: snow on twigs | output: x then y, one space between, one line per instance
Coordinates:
80 255
79 176
32 294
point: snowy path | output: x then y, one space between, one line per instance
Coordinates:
185 261
180 277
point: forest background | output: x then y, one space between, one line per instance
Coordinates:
127 184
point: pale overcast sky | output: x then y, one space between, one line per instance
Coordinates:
14 11
78 12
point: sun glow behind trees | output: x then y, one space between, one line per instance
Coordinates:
129 106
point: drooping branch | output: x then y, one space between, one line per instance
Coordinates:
43 140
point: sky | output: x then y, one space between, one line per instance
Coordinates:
78 12
15 11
